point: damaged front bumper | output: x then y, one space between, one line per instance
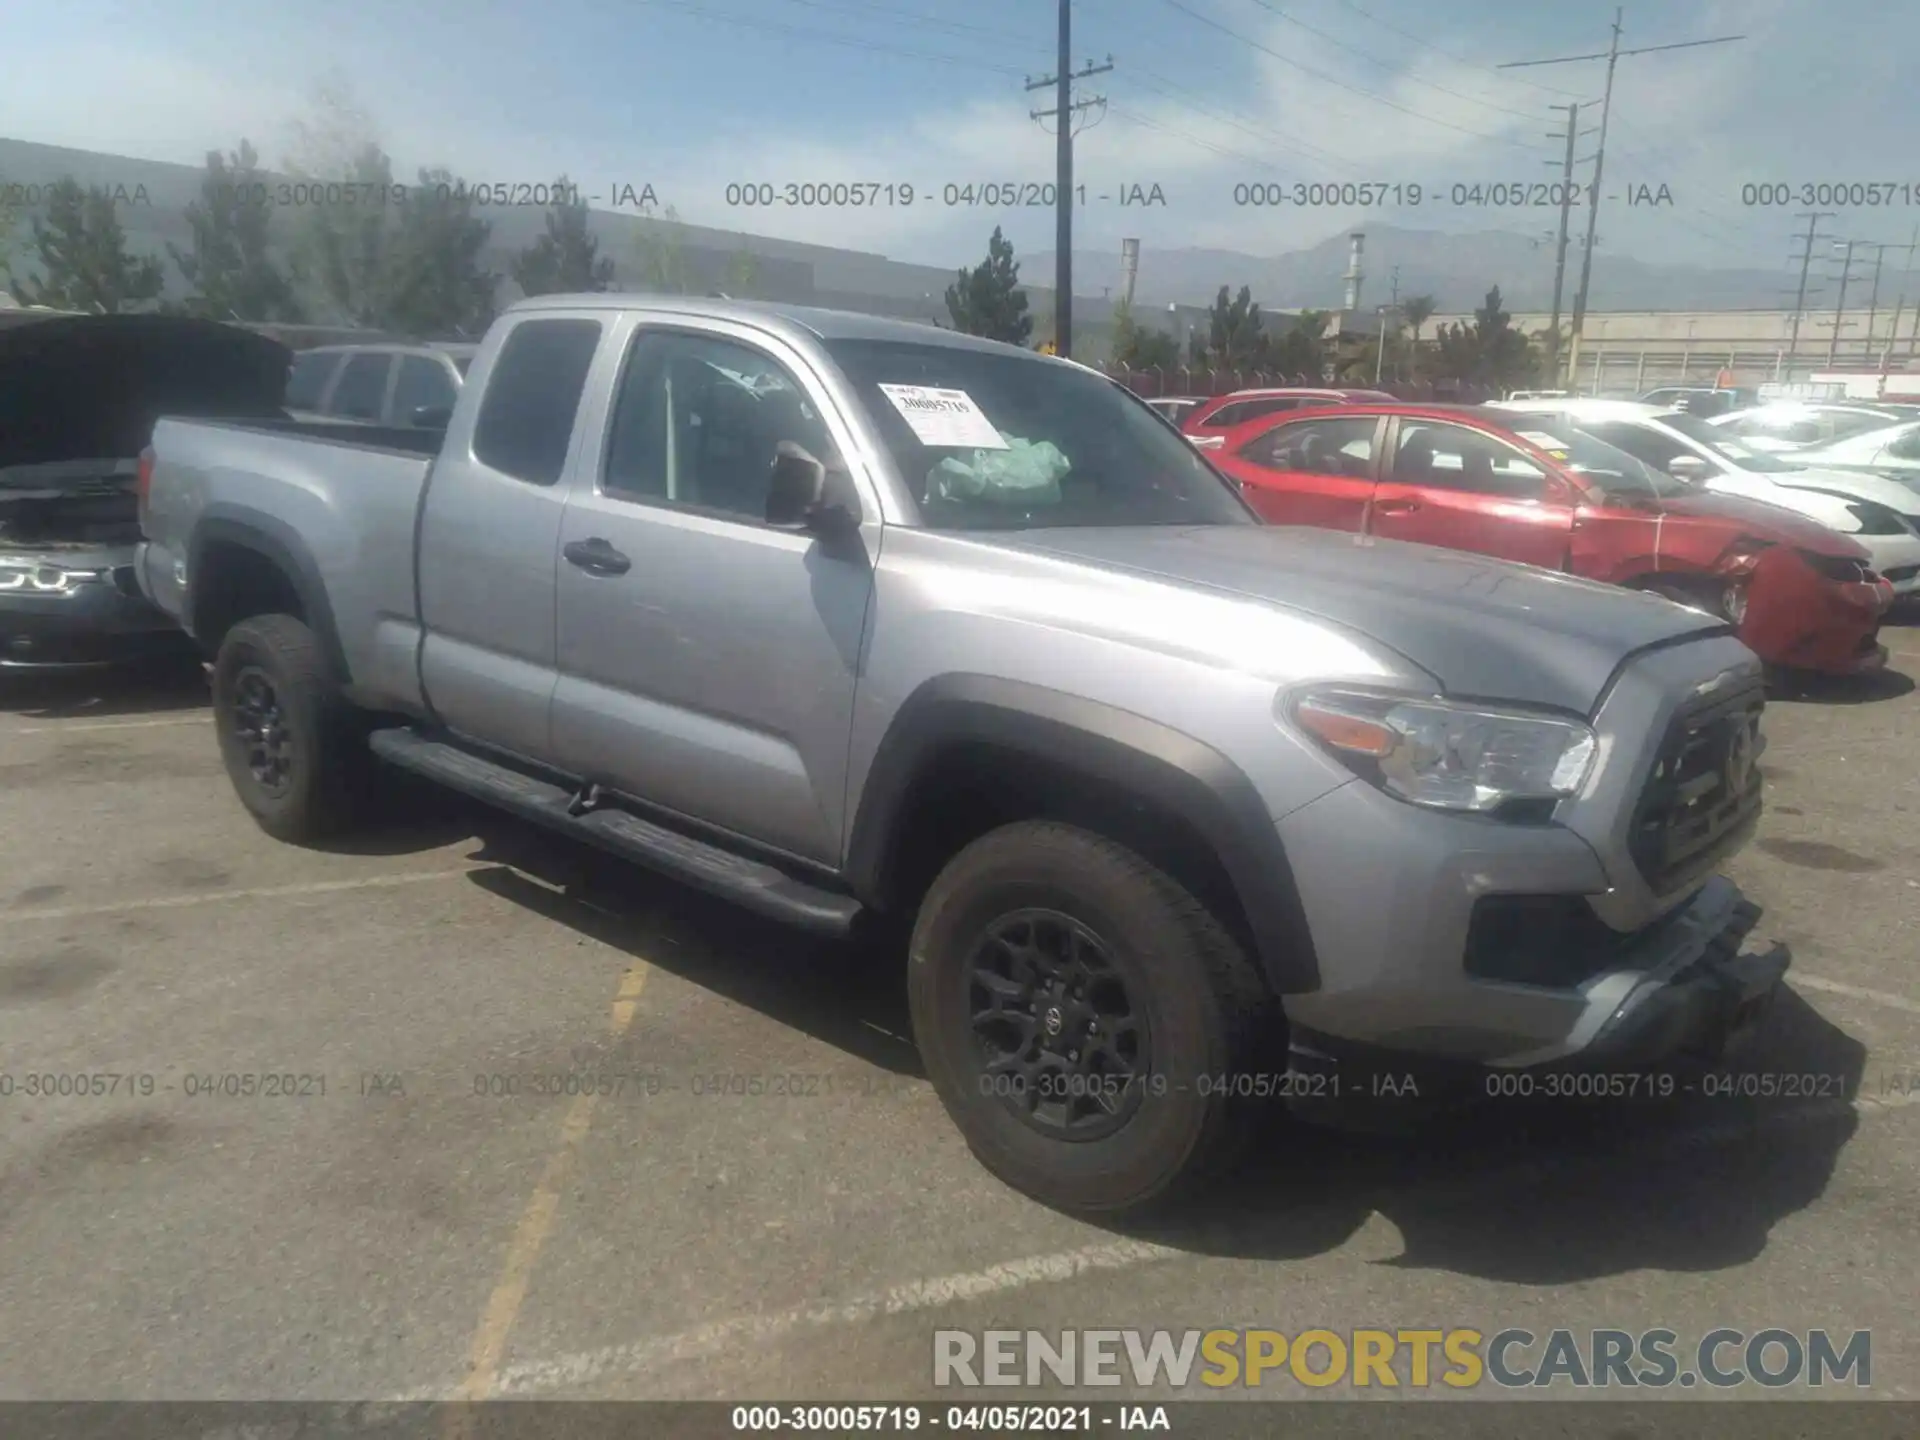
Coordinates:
1688 996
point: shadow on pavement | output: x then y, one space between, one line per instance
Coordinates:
1546 1192
1530 1192
843 993
1805 689
173 681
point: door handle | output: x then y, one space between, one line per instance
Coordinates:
1396 507
596 556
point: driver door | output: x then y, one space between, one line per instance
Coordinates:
707 658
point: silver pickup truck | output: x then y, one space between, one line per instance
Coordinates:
841 617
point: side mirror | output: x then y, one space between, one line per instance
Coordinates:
432 417
1690 468
797 494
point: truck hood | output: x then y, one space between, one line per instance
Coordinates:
1485 629
1856 484
90 387
1785 516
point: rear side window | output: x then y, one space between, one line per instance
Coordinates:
362 389
1318 447
307 378
526 418
422 382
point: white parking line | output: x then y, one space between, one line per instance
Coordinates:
212 897
562 1372
1855 992
199 717
545 1375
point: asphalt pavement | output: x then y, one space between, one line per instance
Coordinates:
330 1139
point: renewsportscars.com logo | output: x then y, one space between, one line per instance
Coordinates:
1390 1359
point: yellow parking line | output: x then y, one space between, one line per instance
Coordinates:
510 1290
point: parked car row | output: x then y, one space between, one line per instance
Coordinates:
1168 811
1622 491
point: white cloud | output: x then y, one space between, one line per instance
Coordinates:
1799 99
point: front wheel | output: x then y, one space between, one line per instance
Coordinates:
287 736
1084 1019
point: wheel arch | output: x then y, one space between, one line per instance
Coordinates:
243 562
994 750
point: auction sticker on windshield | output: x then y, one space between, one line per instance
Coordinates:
944 417
1553 446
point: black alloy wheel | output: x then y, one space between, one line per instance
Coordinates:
1061 1041
261 729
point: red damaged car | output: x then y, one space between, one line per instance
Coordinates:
1208 423
1541 491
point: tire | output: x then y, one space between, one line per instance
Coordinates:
1204 1009
323 782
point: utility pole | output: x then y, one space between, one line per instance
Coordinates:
1813 219
1063 112
1560 244
1873 296
1840 305
1611 55
1593 209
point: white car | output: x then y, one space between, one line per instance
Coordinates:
1800 425
1893 451
1882 515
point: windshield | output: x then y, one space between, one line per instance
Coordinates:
1612 469
1731 448
1004 441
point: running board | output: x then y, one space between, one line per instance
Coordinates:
751 884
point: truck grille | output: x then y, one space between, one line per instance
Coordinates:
1899 573
1704 793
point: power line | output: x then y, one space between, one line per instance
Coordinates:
1257 130
1339 44
825 37
1428 43
1364 93
1611 55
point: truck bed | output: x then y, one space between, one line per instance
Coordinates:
349 493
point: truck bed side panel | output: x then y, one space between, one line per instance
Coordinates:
342 511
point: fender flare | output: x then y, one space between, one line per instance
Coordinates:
1109 747
277 542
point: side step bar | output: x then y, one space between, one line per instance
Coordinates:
749 883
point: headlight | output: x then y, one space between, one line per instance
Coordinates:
1445 756
47 579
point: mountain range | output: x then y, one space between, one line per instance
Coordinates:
1456 269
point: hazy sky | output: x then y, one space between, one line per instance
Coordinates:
688 95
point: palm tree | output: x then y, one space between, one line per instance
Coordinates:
1417 309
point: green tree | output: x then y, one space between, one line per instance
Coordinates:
82 252
435 284
1234 337
341 239
988 300
743 274
341 251
1417 310
1140 347
1300 349
229 267
660 254
12 207
566 260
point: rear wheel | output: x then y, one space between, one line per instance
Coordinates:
1085 1020
290 742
